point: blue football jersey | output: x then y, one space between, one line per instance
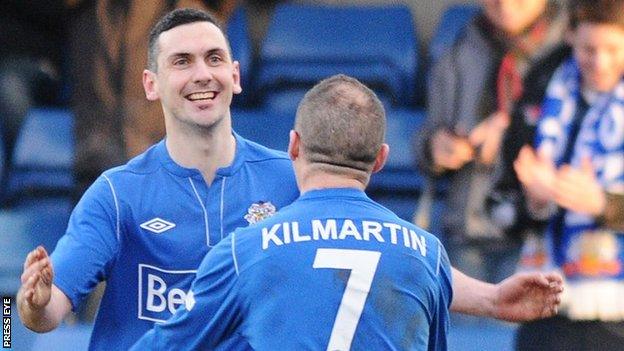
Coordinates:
145 227
332 271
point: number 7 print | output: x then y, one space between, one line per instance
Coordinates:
363 265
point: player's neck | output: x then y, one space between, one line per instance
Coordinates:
206 152
319 180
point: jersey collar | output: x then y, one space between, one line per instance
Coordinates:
174 168
334 192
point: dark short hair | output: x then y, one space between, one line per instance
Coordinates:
342 124
597 12
171 20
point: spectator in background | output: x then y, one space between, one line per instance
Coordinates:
505 202
32 39
114 122
474 89
577 161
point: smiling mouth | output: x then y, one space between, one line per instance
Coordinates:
208 95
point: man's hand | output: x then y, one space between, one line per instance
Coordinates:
528 296
450 152
41 305
488 136
537 173
36 288
519 298
578 189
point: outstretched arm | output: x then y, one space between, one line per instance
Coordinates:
521 297
41 305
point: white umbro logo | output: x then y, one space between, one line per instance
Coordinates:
157 225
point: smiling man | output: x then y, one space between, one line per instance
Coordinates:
144 227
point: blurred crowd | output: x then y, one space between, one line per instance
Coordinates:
524 122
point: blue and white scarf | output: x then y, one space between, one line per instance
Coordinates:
591 257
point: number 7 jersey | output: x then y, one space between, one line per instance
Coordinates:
332 271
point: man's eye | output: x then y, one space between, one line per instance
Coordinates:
215 59
181 61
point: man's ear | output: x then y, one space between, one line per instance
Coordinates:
236 77
150 85
382 156
293 145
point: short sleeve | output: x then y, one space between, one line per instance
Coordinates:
89 244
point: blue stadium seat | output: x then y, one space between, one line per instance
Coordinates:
306 43
454 19
287 101
44 153
283 101
399 183
400 173
403 205
266 128
240 41
24 226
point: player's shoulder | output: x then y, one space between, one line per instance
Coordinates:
145 163
247 241
391 216
415 228
251 232
255 152
431 244
126 178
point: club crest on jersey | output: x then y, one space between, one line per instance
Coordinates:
259 211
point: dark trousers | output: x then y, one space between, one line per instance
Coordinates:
563 334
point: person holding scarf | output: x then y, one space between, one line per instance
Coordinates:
474 89
577 160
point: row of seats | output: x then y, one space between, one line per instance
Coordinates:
305 43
